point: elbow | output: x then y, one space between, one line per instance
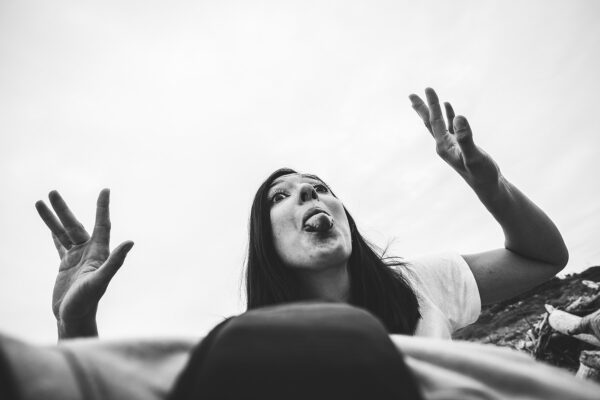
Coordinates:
555 259
564 258
557 254
561 258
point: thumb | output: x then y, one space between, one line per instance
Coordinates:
464 136
112 264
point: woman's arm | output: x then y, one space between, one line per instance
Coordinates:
86 265
534 249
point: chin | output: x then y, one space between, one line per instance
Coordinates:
317 251
327 256
332 248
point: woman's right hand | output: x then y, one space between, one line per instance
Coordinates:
86 264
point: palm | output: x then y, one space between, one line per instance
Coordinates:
455 145
86 265
75 291
479 169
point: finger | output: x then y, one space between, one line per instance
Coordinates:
53 224
464 136
101 232
59 247
75 230
449 116
112 264
438 125
421 108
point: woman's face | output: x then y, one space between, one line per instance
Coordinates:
310 228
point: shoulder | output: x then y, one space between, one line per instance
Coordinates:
446 289
430 270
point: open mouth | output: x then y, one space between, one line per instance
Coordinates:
317 220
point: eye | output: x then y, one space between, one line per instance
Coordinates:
277 197
320 188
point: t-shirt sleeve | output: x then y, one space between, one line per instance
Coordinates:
446 281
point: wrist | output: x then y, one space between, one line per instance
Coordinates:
492 192
85 327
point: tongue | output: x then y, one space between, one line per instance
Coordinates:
319 222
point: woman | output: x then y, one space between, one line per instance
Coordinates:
305 245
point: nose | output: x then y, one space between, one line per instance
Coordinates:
307 193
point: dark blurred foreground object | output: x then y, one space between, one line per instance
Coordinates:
302 351
158 369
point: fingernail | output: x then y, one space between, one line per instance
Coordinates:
460 122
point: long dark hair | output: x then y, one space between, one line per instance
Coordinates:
374 285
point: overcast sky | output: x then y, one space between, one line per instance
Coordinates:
184 108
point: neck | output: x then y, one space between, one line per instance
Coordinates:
329 284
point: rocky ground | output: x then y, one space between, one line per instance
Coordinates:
520 323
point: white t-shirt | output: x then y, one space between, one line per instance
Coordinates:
447 292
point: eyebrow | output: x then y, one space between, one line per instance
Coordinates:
309 176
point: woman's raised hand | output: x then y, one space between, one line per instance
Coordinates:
86 264
455 145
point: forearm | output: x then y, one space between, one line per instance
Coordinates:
528 231
77 329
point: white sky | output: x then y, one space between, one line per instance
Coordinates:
183 109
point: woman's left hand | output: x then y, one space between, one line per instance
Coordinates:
534 250
455 145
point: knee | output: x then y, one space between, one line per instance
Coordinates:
296 318
298 351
